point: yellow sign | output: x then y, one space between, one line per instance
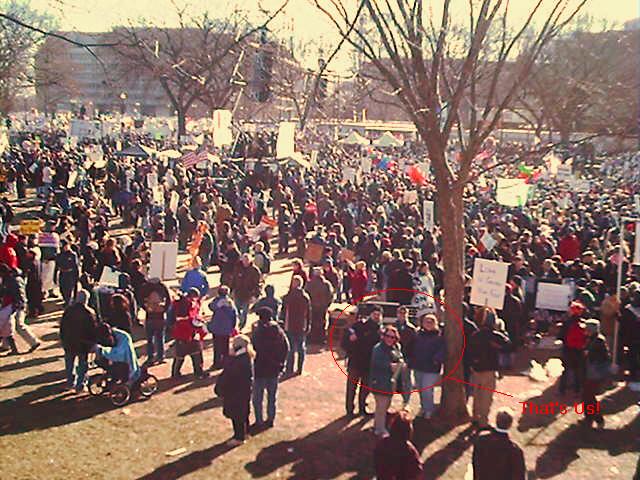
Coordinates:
30 227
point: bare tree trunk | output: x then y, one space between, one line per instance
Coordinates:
450 212
182 122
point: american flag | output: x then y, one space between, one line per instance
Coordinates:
193 158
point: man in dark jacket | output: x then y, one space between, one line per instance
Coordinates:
246 286
156 300
296 310
222 324
359 343
484 347
272 349
495 455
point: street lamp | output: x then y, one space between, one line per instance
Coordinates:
123 107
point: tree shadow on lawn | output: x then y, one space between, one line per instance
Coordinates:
45 377
563 449
213 402
440 461
529 421
339 447
189 463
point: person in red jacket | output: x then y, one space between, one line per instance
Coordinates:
187 327
8 254
569 246
358 280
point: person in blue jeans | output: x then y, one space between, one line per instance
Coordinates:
77 333
272 349
156 301
296 312
427 355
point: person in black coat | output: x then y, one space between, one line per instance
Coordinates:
358 343
272 348
235 385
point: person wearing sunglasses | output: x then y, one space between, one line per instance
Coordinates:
387 364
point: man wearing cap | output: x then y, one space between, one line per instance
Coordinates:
272 348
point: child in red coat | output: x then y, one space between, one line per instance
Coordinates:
188 332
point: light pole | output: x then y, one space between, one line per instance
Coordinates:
123 106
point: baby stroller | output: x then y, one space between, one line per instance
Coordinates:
114 381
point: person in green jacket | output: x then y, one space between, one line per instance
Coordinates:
386 365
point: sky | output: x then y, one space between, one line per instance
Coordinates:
300 17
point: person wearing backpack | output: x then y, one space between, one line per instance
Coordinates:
574 340
272 348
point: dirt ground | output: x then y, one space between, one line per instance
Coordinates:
49 433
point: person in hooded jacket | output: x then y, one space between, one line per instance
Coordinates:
235 385
222 325
272 348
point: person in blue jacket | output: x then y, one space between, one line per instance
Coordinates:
222 325
122 357
195 278
427 355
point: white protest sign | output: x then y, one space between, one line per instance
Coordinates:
158 195
488 241
564 173
164 260
222 134
552 296
488 283
365 164
73 176
428 215
109 277
285 144
512 192
313 159
173 202
636 251
84 128
636 200
152 180
349 175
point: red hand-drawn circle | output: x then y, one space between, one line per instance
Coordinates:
442 379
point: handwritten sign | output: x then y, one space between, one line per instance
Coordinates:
30 227
552 296
410 197
488 241
428 215
488 283
109 277
636 200
636 254
164 260
564 173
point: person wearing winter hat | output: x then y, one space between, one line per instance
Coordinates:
235 385
598 362
574 340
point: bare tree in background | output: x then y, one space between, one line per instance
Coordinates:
54 79
17 48
586 80
434 70
193 61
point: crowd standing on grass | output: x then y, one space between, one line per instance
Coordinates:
236 216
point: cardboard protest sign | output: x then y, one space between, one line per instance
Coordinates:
173 202
152 180
365 165
164 260
109 277
30 227
552 296
488 283
313 159
512 192
158 195
349 175
313 253
410 197
47 239
636 201
428 215
84 128
285 144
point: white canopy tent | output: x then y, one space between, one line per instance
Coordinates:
388 140
354 138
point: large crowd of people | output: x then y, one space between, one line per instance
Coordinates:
237 216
